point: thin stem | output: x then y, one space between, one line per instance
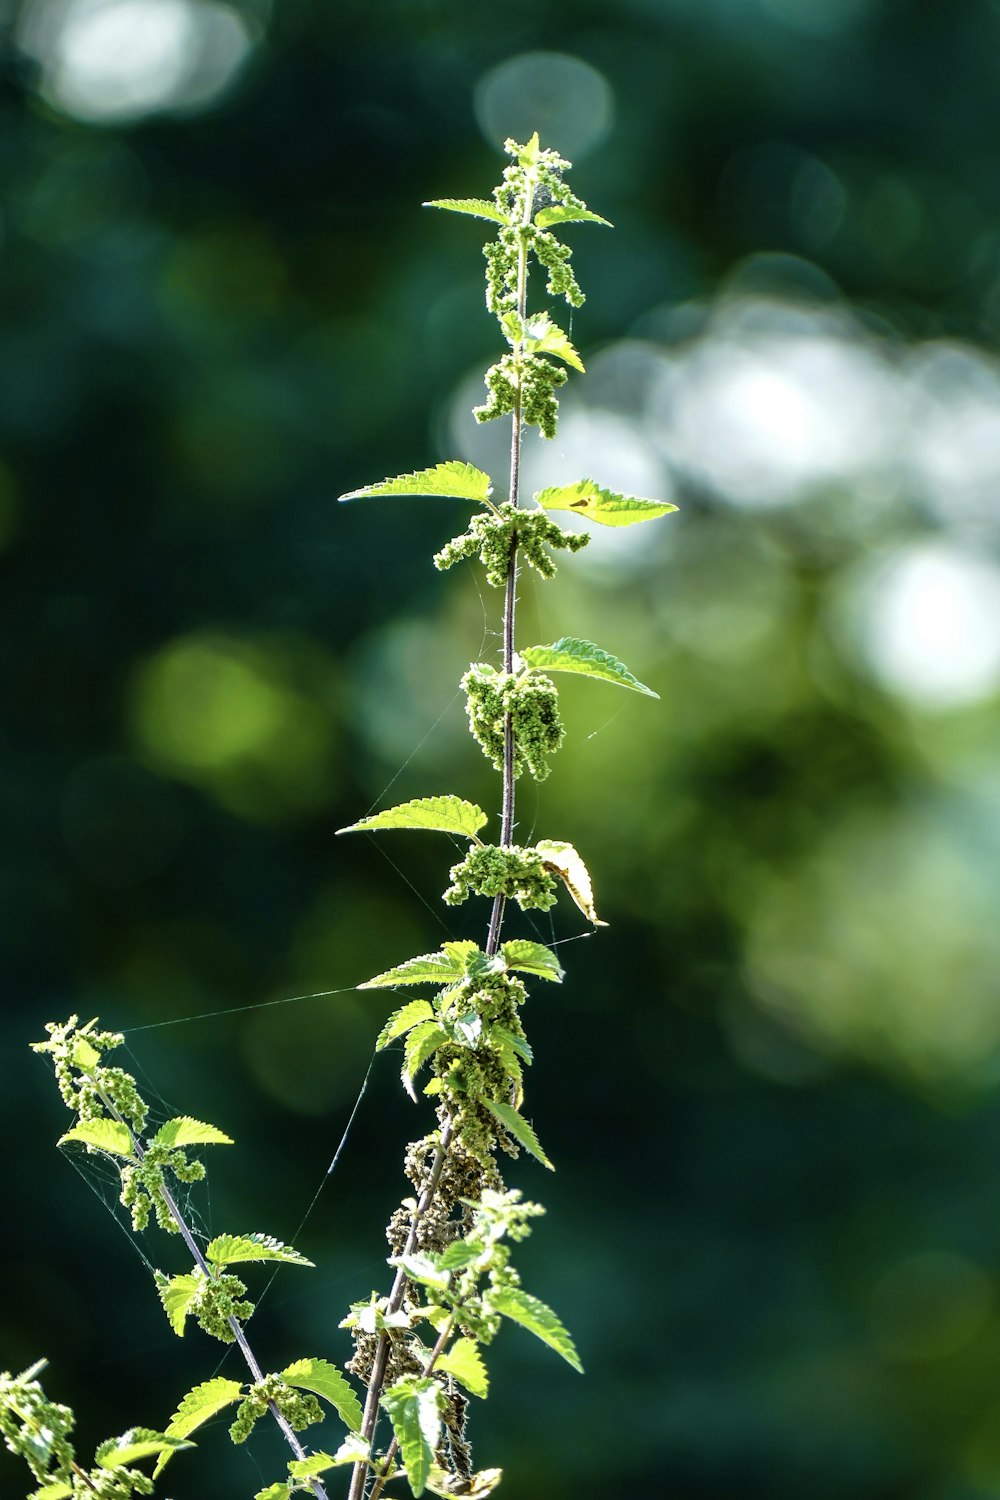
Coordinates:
443 1338
238 1335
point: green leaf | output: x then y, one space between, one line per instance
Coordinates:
453 481
518 1044
424 1040
57 1491
324 1379
85 1057
440 814
467 957
568 654
426 968
178 1296
274 1492
479 208
102 1135
562 860
412 1405
402 1021
232 1249
202 1403
587 498
562 213
531 958
308 1468
464 1361
540 1320
517 1126
425 1269
550 339
183 1131
138 1442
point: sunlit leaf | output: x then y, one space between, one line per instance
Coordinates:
440 814
232 1249
562 860
56 1491
85 1057
274 1492
539 1319
562 213
403 1020
183 1131
453 481
102 1135
412 1405
422 1042
517 1126
464 1362
426 968
479 208
137 1443
202 1403
324 1379
518 1044
569 654
550 339
531 958
587 498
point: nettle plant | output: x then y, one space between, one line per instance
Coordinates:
418 1348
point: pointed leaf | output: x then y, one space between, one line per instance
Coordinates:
562 213
441 814
531 958
464 1362
563 860
277 1491
325 1380
138 1442
460 1253
479 208
587 498
412 1405
183 1131
453 481
517 1126
308 1468
467 957
422 1042
425 1269
553 341
178 1296
202 1403
85 1056
518 1044
568 654
540 1320
426 968
102 1135
232 1249
402 1021
59 1490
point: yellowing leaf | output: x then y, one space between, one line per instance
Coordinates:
587 498
562 860
453 481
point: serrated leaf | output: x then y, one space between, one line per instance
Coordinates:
468 958
437 814
324 1379
531 958
277 1491
412 1405
424 1268
178 1296
233 1249
568 654
424 1040
517 1126
308 1468
102 1135
403 1020
459 1253
57 1491
552 340
518 1044
562 213
426 968
539 1319
183 1131
85 1057
562 860
202 1403
137 1443
453 480
587 498
464 1362
479 208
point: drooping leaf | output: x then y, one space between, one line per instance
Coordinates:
412 1405
102 1135
587 498
440 814
539 1319
202 1403
562 213
137 1443
517 1126
479 208
324 1379
183 1131
562 860
426 968
453 480
178 1296
531 958
232 1249
403 1020
569 654
425 1038
464 1361
518 1044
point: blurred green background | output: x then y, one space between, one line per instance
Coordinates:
771 1086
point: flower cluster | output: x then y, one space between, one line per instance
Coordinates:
532 702
514 873
493 534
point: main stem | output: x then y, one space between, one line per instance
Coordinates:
377 1379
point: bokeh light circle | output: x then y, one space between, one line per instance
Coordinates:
566 100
